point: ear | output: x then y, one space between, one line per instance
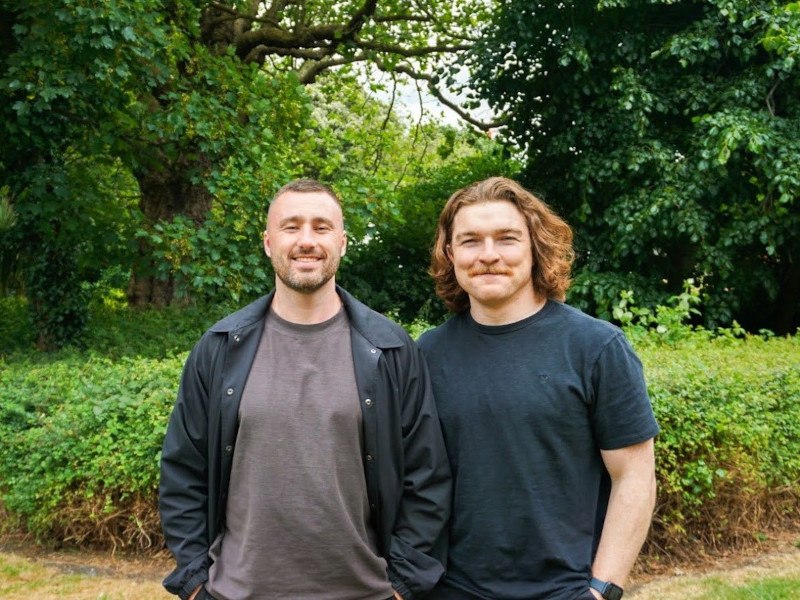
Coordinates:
448 250
344 245
267 249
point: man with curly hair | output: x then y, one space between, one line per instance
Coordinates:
546 417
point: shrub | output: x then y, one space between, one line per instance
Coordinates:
113 329
83 428
82 431
16 329
82 443
728 456
116 330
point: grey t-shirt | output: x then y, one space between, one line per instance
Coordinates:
297 516
525 409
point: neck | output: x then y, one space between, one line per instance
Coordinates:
507 312
306 309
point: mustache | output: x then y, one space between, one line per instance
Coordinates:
487 270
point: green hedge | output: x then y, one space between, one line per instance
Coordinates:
728 456
82 440
114 330
82 433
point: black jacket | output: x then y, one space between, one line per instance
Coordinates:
407 472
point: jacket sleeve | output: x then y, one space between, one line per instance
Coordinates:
417 547
183 487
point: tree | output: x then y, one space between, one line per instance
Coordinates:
183 95
64 76
667 132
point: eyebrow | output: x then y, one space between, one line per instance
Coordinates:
315 220
467 234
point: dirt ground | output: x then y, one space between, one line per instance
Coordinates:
28 571
778 557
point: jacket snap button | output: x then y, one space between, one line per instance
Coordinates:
369 457
368 401
229 391
236 338
228 449
373 350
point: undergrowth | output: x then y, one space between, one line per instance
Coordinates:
82 428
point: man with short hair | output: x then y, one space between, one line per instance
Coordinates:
545 412
304 458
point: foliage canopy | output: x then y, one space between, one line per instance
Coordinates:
667 132
145 136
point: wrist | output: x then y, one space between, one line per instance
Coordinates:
606 590
195 593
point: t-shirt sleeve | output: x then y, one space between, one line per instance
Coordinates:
621 411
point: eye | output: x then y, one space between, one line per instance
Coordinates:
323 228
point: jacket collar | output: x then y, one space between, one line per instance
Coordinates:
376 328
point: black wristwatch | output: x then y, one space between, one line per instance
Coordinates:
608 590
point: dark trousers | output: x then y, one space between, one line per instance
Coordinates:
446 592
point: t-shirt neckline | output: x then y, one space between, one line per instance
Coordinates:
509 327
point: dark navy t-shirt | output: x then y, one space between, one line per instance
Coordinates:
525 409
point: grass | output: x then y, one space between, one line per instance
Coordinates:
774 576
23 578
92 576
766 589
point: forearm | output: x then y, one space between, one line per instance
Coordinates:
630 511
625 528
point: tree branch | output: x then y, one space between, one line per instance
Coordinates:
771 98
312 68
409 52
275 9
359 18
259 53
414 141
401 19
437 93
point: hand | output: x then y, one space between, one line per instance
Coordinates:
195 592
397 596
596 594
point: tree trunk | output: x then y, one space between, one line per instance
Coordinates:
166 192
8 42
784 320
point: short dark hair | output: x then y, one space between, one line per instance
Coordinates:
551 241
307 186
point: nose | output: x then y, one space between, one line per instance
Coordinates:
488 252
306 239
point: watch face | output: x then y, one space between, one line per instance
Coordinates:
612 592
608 590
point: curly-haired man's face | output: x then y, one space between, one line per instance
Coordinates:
490 248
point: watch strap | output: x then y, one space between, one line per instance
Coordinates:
608 590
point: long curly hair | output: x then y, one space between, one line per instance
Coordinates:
551 241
